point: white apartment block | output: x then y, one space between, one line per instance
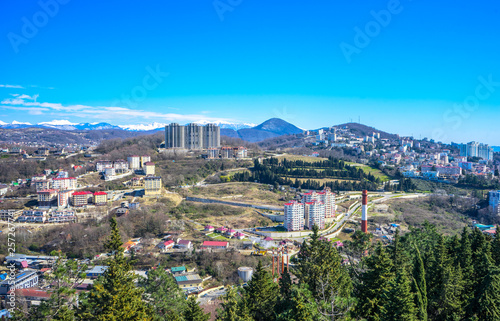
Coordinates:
61 183
294 216
326 197
134 162
314 214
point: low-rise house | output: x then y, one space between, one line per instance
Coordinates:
166 245
178 270
31 296
96 271
239 235
23 280
230 232
188 281
214 245
221 229
185 244
209 228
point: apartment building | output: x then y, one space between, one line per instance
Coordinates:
46 197
192 136
145 159
134 162
64 183
314 214
494 197
326 197
294 216
152 186
82 198
63 198
148 168
100 198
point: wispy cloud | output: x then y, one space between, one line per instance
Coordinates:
27 104
12 86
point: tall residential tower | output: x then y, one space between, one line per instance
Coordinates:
192 136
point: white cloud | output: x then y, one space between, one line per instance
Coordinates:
12 86
100 112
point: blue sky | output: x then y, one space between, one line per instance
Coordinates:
406 67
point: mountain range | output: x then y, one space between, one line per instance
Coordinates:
67 125
269 129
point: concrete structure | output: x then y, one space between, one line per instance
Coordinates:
326 197
63 198
149 168
494 197
152 186
314 214
64 183
82 198
294 216
134 162
364 212
46 197
245 273
192 136
42 185
10 214
174 136
100 198
145 159
474 149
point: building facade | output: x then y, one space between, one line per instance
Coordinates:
82 198
474 149
152 186
494 197
192 136
294 216
134 162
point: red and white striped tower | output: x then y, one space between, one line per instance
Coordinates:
364 212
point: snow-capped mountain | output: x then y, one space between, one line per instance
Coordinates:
143 127
226 125
64 124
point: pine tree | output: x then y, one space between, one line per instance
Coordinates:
374 282
115 296
320 267
285 290
495 248
261 295
399 302
420 286
233 307
163 293
302 308
194 312
397 252
452 307
488 300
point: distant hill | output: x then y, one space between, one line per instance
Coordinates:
273 127
363 130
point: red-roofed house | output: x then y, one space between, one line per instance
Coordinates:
239 235
185 244
230 232
82 198
164 246
31 294
209 228
221 229
214 245
100 198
